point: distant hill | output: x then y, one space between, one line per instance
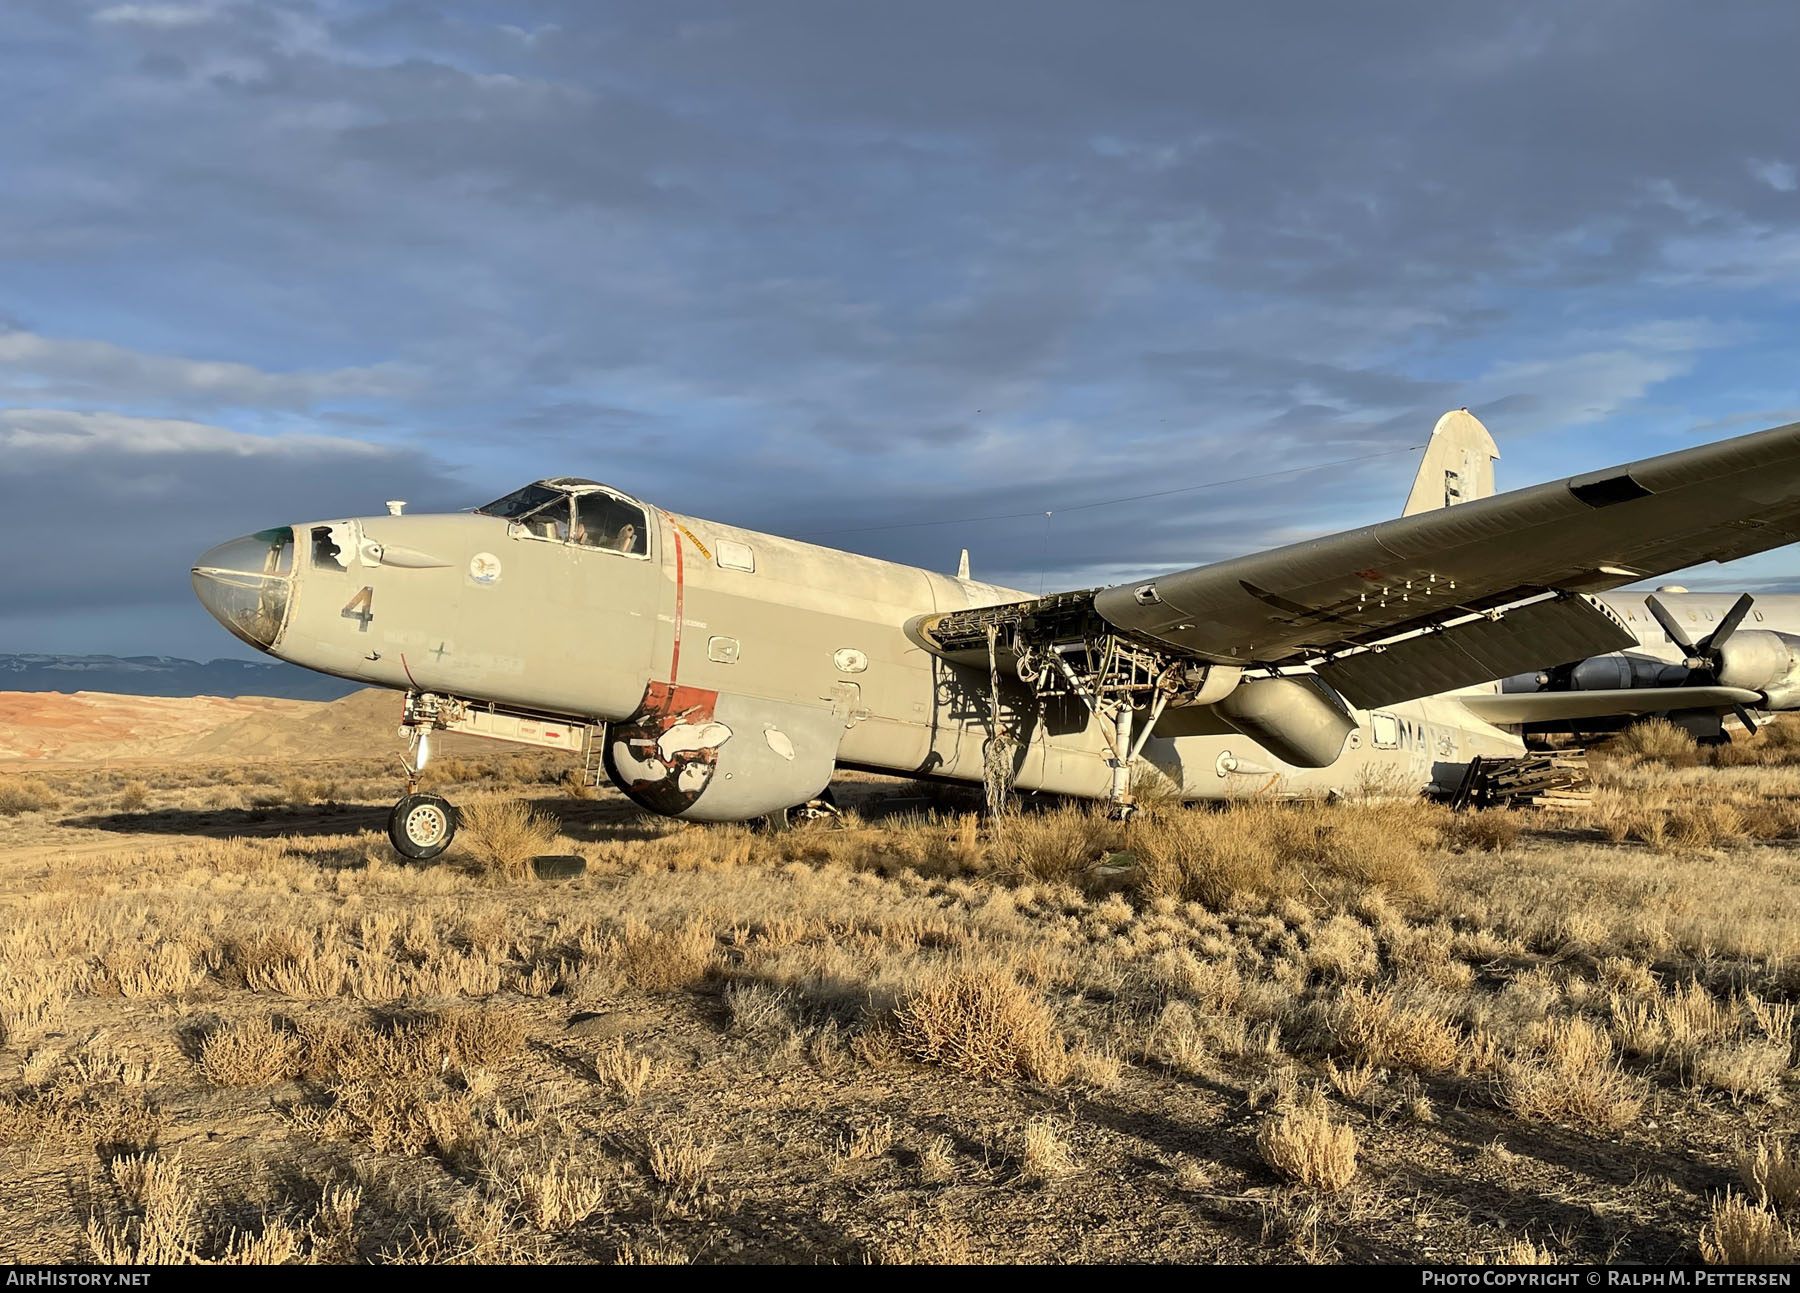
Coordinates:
162 675
93 727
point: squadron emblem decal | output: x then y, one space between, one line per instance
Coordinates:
484 567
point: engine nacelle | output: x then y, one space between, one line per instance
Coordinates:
711 756
1758 660
1620 670
1298 722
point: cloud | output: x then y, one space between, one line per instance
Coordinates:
106 512
77 369
156 15
843 266
46 434
1779 176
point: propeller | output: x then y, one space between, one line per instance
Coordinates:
1704 658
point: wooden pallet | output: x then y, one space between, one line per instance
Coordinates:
1557 780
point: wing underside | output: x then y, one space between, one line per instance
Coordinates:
1480 648
1315 601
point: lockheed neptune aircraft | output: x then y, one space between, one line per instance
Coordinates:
718 674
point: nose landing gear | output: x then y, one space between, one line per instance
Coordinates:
421 826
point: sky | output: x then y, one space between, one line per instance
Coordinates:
861 273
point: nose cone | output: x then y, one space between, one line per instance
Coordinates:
247 585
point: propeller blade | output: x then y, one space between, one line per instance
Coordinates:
1671 626
1744 718
1710 644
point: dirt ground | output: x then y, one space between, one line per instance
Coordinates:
234 1027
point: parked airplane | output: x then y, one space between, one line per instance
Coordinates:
1698 657
718 674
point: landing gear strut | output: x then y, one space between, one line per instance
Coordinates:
421 826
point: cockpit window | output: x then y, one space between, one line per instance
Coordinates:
602 521
550 522
521 502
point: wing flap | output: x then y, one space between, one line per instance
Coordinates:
1590 532
1525 637
1554 706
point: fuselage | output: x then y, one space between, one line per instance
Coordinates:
719 654
1700 614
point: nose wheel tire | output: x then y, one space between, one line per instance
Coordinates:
422 826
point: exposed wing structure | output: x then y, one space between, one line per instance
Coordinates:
1325 597
1479 648
1560 706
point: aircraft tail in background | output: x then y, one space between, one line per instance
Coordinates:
1458 465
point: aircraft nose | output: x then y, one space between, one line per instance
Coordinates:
247 584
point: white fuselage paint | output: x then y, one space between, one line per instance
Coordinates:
482 611
1699 614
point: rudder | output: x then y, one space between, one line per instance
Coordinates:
1458 464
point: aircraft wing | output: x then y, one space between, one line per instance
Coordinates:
1557 706
1398 609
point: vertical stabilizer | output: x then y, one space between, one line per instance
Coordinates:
1458 465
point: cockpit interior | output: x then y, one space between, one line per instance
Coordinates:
579 512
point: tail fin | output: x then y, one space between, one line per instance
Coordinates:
1458 465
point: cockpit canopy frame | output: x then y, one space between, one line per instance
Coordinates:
577 512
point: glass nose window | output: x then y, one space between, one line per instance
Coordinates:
252 607
244 584
267 552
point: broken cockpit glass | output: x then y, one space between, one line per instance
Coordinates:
584 514
603 521
521 502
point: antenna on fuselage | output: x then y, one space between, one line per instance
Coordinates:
962 565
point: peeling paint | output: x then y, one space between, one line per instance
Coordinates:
665 755
779 742
688 738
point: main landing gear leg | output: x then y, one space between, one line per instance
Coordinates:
1117 722
421 826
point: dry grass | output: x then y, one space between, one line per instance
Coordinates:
1572 1079
681 1163
1047 1155
1656 740
1771 1171
937 1161
25 795
1307 1147
250 1053
1263 847
663 959
771 993
624 1072
1379 1026
1494 831
979 1020
1525 1252
557 1195
504 835
1741 1233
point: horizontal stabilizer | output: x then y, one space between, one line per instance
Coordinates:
1557 706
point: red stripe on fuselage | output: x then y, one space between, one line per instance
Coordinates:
680 591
